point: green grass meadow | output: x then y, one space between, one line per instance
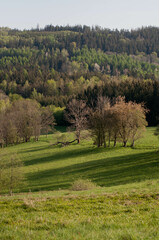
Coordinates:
123 206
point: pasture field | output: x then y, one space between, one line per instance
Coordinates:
123 206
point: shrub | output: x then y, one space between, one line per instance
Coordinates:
83 184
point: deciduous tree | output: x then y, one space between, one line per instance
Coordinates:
76 115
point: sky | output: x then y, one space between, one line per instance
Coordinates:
120 14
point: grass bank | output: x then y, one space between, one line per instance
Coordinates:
124 206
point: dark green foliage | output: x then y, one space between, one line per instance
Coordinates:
55 64
157 131
146 92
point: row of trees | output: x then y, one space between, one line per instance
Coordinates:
140 40
60 92
109 121
22 120
134 90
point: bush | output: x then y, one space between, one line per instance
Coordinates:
59 116
83 184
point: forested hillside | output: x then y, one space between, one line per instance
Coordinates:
56 64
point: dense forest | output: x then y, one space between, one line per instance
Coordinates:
55 64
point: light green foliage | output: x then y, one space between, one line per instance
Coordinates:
51 87
58 113
3 85
116 63
4 102
14 97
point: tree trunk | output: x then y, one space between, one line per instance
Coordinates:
133 143
109 140
78 136
115 142
99 140
105 145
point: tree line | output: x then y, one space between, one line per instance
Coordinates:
139 40
107 120
134 90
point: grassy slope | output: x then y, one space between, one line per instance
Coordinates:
126 208
51 168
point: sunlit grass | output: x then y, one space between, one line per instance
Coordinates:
123 205
49 167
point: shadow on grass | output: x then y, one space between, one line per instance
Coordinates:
34 149
105 172
65 154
